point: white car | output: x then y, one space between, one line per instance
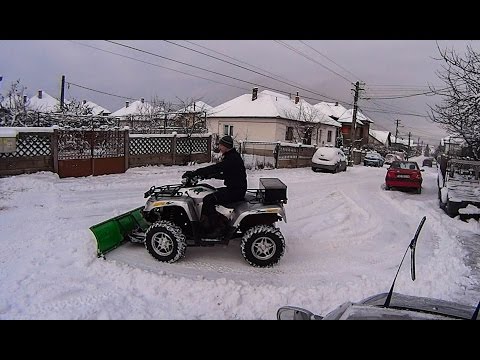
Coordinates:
330 159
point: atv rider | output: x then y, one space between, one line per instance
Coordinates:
232 170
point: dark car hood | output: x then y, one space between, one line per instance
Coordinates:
422 304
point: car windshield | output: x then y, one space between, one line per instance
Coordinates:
404 165
327 152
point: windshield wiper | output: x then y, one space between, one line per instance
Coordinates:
412 246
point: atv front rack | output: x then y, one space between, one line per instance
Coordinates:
165 190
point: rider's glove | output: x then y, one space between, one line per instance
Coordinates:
188 175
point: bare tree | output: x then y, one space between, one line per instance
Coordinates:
12 106
191 116
459 111
306 123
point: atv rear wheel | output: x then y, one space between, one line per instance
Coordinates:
263 246
165 241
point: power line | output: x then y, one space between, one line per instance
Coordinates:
326 57
98 91
243 62
242 67
311 59
160 66
401 96
211 71
197 76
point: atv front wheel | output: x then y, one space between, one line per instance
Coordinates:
263 246
165 241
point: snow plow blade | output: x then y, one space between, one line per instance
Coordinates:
114 232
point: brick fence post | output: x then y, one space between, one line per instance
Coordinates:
54 147
174 147
126 146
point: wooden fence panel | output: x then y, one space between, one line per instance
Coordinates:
34 153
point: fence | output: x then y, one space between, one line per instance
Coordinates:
259 154
34 152
168 149
97 152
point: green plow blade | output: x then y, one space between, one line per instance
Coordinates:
112 233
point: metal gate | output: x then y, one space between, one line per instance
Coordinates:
90 152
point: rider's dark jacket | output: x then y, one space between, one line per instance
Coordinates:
231 169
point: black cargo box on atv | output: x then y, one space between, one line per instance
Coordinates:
272 190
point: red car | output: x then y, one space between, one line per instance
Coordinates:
404 174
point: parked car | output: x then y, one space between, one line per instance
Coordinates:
458 183
427 162
404 174
373 159
391 305
330 159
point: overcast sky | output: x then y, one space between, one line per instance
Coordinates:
327 68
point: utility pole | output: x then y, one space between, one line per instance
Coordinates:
62 93
408 152
354 120
396 132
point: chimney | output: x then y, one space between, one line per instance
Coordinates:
24 99
39 94
254 93
142 100
297 98
127 103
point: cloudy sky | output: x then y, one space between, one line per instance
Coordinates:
179 70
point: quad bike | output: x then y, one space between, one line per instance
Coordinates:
170 222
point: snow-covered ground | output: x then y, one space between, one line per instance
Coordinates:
345 237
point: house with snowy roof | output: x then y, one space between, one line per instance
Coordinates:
136 108
271 117
193 115
96 109
137 114
379 138
345 117
43 102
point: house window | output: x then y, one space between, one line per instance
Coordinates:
329 136
289 133
228 130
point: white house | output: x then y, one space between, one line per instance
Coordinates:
96 109
43 102
138 107
270 117
378 137
334 110
345 118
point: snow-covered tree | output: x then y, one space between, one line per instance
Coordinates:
459 110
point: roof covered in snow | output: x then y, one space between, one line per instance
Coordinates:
381 136
331 109
136 108
46 103
270 104
348 116
96 109
401 141
197 106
